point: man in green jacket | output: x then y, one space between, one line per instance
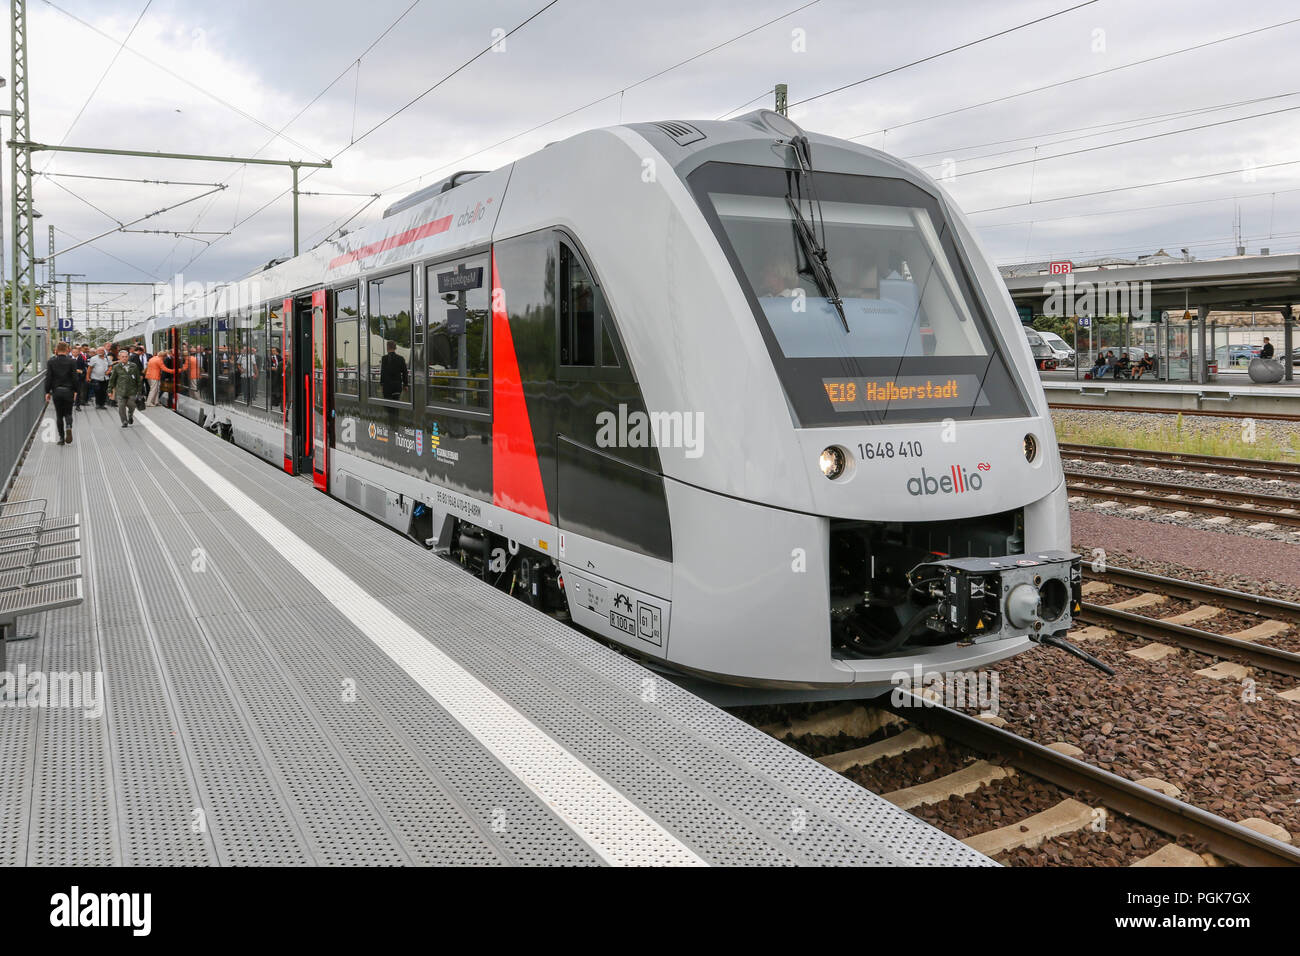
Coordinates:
124 383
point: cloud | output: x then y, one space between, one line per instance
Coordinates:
267 60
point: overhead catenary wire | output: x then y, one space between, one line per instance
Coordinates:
391 116
1120 189
172 73
1128 123
157 212
126 179
275 134
98 83
104 252
942 53
622 89
1127 142
1077 79
1129 210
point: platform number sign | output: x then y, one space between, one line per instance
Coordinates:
1060 268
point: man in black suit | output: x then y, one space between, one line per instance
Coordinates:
141 361
393 374
60 388
275 376
83 370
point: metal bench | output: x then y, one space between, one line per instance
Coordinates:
40 564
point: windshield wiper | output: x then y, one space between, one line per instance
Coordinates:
816 256
813 250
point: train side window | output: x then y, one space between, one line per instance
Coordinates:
347 342
577 311
275 369
221 359
388 325
250 360
589 346
457 346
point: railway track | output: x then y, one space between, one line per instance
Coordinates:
1225 838
930 724
1214 413
1213 501
1224 646
1205 464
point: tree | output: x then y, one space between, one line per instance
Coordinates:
25 299
1062 325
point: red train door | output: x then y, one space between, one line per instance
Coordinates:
174 350
318 393
305 412
286 340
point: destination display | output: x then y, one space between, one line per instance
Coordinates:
873 393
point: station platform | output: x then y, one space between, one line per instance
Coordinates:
1230 392
286 682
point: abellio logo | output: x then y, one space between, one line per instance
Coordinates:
956 482
470 216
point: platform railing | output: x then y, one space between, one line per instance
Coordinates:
20 410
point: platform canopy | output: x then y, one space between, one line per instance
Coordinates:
1262 283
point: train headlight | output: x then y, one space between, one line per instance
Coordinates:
1031 448
833 461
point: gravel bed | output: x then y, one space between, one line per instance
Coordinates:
1248 556
1163 514
1122 843
1216 577
1236 757
1003 802
1200 481
1225 622
915 766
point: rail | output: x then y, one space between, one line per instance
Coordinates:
1227 839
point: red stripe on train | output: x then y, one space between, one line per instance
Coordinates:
431 228
516 473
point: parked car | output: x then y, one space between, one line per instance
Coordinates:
1236 356
1044 356
1060 348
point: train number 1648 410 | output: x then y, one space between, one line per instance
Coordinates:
888 449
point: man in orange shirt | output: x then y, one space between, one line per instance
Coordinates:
153 375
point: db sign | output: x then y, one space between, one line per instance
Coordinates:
1060 268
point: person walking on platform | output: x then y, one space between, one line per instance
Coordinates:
153 374
124 382
61 386
83 369
98 370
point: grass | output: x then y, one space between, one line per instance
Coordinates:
1226 440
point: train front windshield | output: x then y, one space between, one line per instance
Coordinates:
913 341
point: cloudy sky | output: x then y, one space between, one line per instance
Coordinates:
227 78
